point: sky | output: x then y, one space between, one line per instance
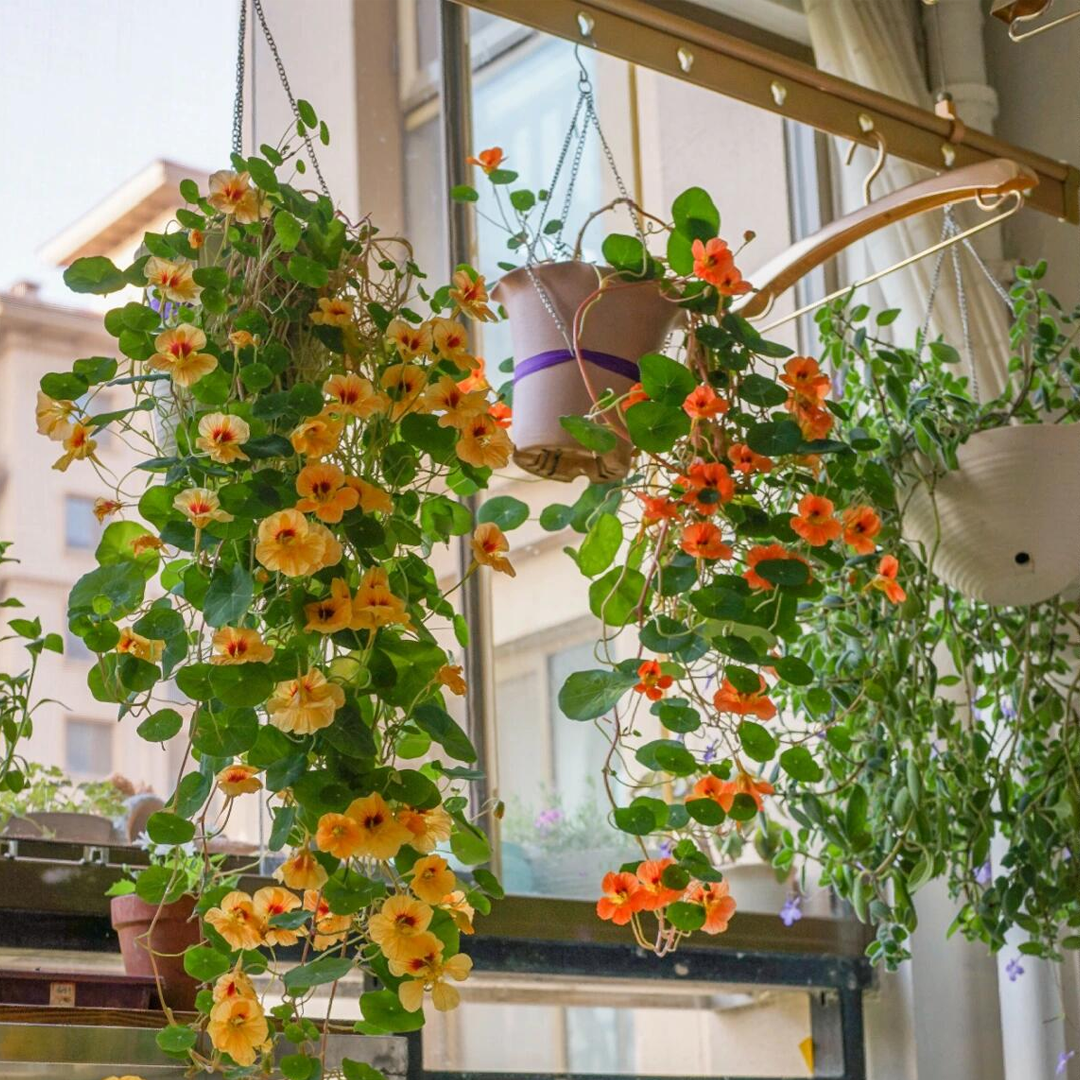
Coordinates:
91 92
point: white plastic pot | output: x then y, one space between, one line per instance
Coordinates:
1009 516
624 324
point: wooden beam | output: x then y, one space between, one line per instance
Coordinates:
668 41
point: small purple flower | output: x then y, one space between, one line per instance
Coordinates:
546 818
666 848
1063 1061
1013 969
710 752
985 874
820 733
791 912
1007 711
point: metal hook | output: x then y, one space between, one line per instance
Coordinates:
879 164
584 82
1017 12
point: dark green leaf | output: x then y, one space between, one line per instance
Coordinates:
756 741
587 695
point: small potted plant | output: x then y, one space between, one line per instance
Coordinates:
153 914
578 331
966 460
51 806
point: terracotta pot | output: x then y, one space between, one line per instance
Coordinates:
174 930
1009 515
61 825
620 328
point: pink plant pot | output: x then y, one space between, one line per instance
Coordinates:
626 322
174 929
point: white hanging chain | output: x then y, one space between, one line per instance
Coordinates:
238 102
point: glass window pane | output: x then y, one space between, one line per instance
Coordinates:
88 750
81 528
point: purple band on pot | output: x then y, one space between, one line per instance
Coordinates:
615 364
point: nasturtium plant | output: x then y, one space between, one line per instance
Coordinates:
309 413
775 663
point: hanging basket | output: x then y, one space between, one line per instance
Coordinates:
1009 516
620 327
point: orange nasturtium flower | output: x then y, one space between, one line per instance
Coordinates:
744 784
471 295
449 675
744 460
149 649
332 613
707 484
173 280
297 547
233 984
753 703
238 645
656 508
338 835
221 436
815 522
804 377
78 446
457 407
766 553
353 395
178 354
718 905
145 542
460 910
652 681
476 379
272 900
374 605
382 836
241 339
236 780
501 413
329 929
452 341
483 443
885 580
622 898
404 384
323 492
704 540
235 920
302 871
488 160
200 506
53 417
432 879
238 1028
196 238
652 891
333 311
104 508
411 341
703 403
428 828
430 972
231 193
861 525
400 928
373 499
714 262
318 436
814 422
634 396
488 544
304 705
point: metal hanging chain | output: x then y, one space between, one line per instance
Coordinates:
961 298
584 112
238 98
238 104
